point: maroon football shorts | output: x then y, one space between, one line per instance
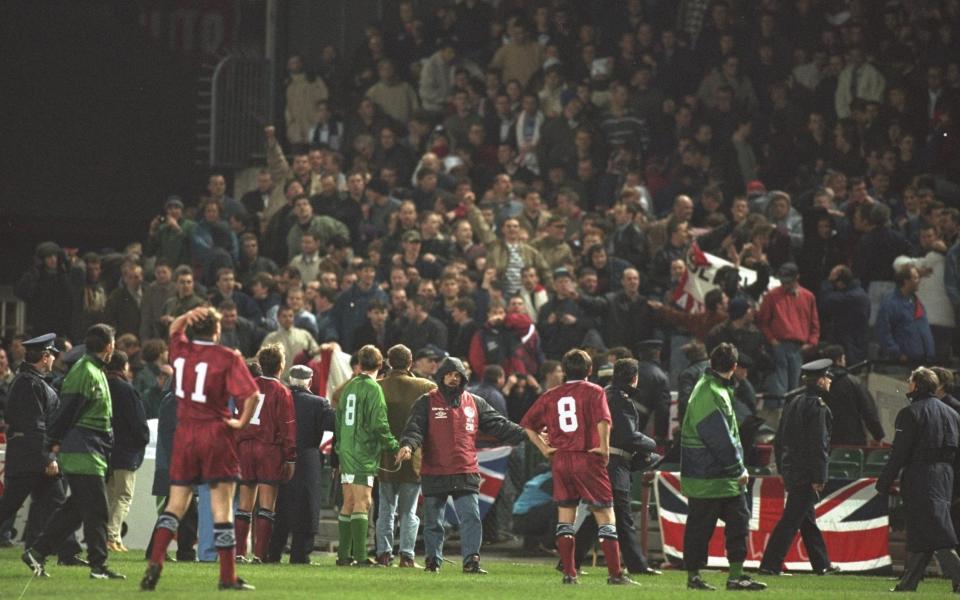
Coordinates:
581 476
260 463
203 452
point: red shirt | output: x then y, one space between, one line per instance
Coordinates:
570 412
273 422
789 317
207 375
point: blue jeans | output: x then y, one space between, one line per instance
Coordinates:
397 498
787 359
206 552
471 529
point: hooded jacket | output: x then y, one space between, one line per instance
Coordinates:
445 423
47 294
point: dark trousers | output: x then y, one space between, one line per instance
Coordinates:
702 515
298 512
916 567
46 496
186 533
630 549
86 505
798 514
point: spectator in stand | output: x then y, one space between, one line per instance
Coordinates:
155 295
902 328
521 57
308 261
490 387
436 77
293 339
323 227
626 315
217 191
623 127
846 313
350 309
858 80
699 324
377 331
90 298
261 202
851 404
282 171
562 322
304 91
46 290
510 254
533 294
553 246
237 332
251 262
151 380
170 234
226 289
123 306
878 247
183 300
395 97
213 244
782 214
422 328
932 293
789 320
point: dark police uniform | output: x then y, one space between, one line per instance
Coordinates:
852 408
653 393
298 502
626 443
924 449
32 405
802 452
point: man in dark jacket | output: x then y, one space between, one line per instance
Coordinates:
130 436
850 403
31 470
46 290
924 449
696 355
802 450
561 322
445 423
298 501
629 448
653 395
844 309
626 316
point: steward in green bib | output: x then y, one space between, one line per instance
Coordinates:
712 474
82 436
362 433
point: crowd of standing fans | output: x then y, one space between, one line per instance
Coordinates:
500 184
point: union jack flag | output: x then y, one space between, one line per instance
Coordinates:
853 517
493 468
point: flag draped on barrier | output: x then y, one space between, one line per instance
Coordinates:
853 517
493 468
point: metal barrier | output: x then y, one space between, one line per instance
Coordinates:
13 313
241 105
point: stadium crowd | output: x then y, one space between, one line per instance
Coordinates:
504 183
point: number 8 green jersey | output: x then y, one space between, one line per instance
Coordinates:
362 430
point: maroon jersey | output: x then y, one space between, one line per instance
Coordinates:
207 375
273 421
570 412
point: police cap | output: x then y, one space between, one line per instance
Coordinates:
817 368
43 342
651 344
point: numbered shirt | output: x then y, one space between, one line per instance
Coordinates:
273 420
570 413
362 428
206 376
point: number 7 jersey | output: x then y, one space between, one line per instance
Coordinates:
206 376
570 412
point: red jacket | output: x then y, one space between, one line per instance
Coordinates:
789 317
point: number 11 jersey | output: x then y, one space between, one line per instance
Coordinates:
570 412
206 376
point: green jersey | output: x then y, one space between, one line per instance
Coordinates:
83 427
362 430
711 457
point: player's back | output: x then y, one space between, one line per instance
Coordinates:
570 412
273 414
206 376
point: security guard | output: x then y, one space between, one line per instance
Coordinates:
31 470
298 504
653 389
630 450
802 451
925 448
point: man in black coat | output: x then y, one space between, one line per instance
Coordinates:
653 395
625 315
130 437
32 404
629 448
298 503
924 449
851 404
802 450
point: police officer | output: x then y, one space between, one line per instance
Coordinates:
802 450
31 470
298 504
653 389
924 449
630 450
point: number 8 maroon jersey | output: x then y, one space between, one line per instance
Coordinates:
570 413
206 376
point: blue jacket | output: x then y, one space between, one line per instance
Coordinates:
900 332
845 316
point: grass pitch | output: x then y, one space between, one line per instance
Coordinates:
531 579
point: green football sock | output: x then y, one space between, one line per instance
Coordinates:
736 570
344 551
358 529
